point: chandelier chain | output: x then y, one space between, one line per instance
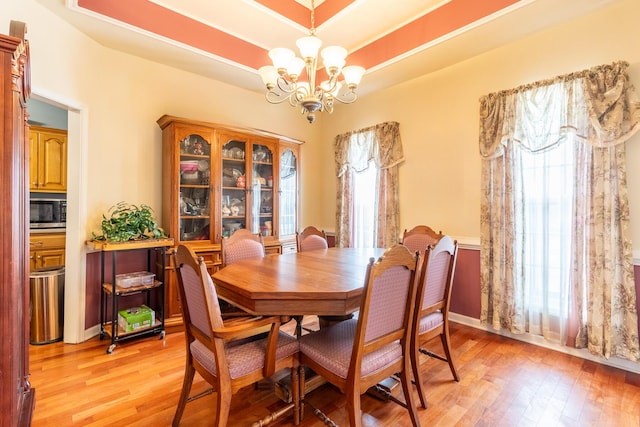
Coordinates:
313 18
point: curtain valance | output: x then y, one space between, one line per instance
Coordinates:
611 111
380 143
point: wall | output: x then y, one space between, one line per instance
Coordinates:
114 100
438 116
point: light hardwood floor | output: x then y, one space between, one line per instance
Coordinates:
503 383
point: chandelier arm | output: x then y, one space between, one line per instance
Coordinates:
347 97
285 85
327 104
277 98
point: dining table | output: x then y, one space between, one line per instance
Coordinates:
319 282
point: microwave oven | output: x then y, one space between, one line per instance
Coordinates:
47 213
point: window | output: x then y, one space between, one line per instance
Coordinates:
367 197
556 255
544 225
365 207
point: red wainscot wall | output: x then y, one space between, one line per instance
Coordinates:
465 297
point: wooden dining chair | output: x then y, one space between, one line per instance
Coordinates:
242 244
228 355
359 353
420 237
311 239
431 317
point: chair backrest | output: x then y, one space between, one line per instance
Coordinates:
200 308
388 303
420 237
242 244
311 239
436 277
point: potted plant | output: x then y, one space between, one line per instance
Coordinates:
126 221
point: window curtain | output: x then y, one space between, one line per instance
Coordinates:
599 108
353 153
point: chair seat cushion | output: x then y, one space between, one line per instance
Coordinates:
431 321
331 347
246 357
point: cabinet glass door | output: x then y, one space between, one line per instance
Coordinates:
288 193
195 175
234 185
262 190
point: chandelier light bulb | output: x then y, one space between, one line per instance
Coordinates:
269 76
309 47
295 68
352 75
281 57
334 58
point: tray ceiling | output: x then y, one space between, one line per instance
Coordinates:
228 40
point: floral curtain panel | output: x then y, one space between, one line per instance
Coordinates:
353 152
599 108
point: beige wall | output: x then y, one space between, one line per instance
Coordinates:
115 100
438 115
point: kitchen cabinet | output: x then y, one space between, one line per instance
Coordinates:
48 165
46 250
116 293
217 179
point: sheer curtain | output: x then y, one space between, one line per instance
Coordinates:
378 146
581 293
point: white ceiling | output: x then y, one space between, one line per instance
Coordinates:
354 26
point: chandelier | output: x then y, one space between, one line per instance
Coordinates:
281 78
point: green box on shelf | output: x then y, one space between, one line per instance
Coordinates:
135 318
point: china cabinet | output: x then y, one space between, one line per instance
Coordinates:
48 167
17 397
289 185
217 179
247 184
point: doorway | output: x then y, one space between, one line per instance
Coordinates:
57 112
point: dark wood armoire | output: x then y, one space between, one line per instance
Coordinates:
16 395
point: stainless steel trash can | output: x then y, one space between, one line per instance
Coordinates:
47 305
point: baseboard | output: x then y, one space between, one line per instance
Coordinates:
614 362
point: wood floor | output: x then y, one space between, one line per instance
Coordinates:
503 383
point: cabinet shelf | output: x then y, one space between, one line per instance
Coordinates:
108 288
187 156
121 333
194 186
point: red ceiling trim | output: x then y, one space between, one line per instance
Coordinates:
300 14
156 19
450 17
164 22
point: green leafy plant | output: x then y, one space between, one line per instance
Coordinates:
129 222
